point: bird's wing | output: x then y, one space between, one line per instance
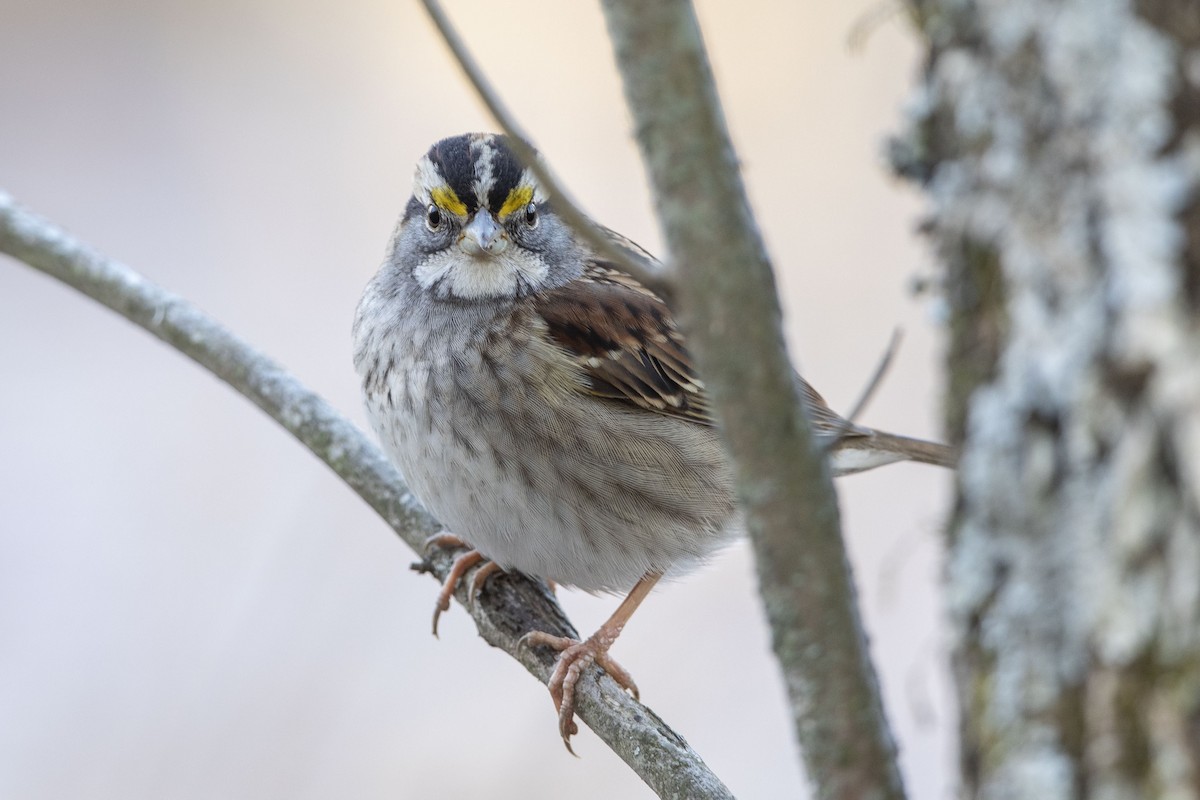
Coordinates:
624 339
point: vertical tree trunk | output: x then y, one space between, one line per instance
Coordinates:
1058 145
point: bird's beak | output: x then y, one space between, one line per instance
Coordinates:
483 235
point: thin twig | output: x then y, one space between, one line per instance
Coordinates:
652 274
870 20
512 605
868 392
881 369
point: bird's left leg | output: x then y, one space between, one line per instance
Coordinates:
575 656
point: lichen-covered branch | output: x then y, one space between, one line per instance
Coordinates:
1058 144
731 314
510 607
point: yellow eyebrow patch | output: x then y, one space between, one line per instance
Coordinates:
445 197
518 198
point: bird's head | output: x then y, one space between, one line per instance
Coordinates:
478 226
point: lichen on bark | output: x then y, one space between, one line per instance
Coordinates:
1057 143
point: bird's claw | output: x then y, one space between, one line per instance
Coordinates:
575 657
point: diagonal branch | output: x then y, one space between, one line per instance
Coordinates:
512 605
732 318
651 274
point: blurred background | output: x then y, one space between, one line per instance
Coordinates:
191 606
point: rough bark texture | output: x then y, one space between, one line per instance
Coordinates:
1057 141
731 315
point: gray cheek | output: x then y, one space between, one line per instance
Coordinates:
557 248
413 242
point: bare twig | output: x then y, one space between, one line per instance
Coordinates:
784 483
868 392
870 20
881 369
512 605
652 274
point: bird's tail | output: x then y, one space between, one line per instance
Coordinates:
872 448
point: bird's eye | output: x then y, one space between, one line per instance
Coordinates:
433 217
531 215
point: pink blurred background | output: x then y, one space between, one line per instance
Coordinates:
191 606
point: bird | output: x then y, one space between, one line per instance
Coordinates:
543 405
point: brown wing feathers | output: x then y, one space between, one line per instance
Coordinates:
624 339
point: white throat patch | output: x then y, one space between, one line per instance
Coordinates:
453 273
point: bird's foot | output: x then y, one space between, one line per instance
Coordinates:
462 564
575 657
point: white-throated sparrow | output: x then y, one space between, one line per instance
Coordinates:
542 404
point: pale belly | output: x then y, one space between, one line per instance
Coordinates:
559 486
